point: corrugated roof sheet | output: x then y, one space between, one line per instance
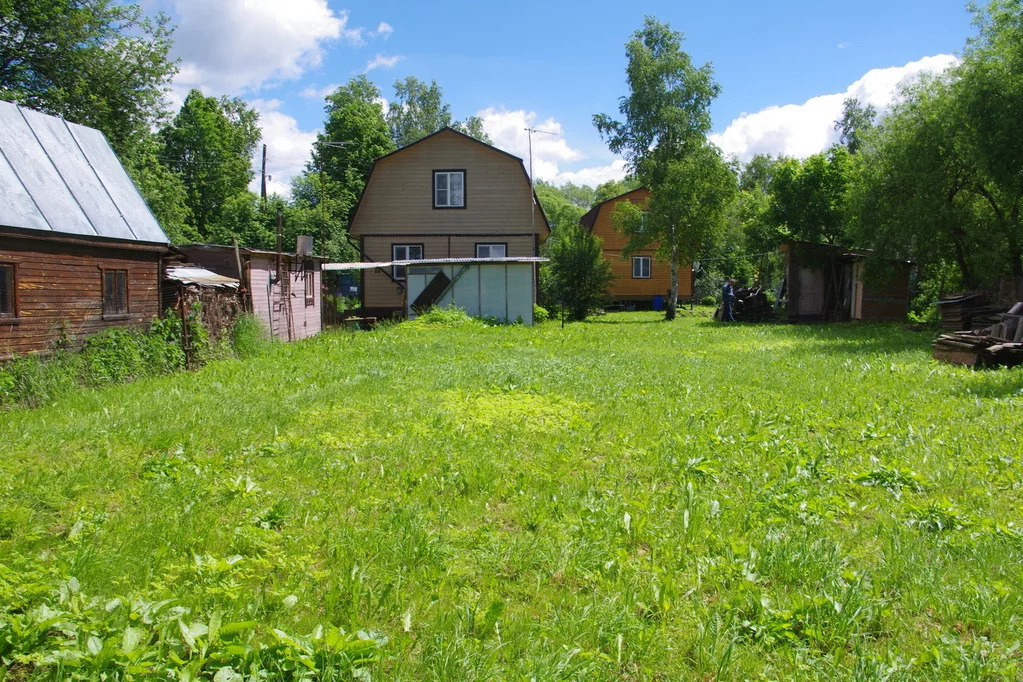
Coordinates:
431 261
62 177
193 274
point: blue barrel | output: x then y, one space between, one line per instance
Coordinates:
658 302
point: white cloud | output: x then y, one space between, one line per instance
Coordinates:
594 175
381 60
384 30
313 92
550 152
803 129
228 46
288 147
842 46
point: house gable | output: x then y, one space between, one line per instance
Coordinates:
399 196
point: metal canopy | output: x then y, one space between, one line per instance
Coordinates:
193 274
432 261
63 178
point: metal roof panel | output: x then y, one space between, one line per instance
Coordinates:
63 177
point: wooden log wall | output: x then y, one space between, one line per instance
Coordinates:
59 290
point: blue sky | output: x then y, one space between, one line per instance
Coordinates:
786 66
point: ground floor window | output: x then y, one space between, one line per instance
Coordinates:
491 250
115 292
404 252
641 267
7 284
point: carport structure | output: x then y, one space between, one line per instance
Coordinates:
501 288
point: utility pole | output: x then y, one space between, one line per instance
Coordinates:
532 184
323 196
262 189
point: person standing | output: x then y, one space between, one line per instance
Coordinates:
727 299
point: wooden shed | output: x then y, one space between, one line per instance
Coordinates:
830 283
80 250
282 290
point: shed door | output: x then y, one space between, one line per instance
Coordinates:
811 291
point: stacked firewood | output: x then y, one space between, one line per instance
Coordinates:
750 305
1000 344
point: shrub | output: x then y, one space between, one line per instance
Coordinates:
121 355
247 336
708 300
540 314
580 276
435 318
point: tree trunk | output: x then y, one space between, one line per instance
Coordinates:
669 311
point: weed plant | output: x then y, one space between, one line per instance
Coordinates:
619 499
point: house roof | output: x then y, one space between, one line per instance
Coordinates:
590 217
449 129
62 178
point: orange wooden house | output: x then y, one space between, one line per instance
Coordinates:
640 278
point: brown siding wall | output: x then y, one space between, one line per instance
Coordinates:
382 292
399 196
625 287
61 283
887 301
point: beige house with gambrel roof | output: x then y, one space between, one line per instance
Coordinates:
446 196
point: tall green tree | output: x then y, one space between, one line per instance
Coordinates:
614 188
354 134
856 120
557 206
417 110
989 94
808 198
210 144
100 63
473 127
663 134
686 215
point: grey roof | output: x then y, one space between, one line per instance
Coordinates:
61 177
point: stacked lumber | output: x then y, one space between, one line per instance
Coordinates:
967 310
998 345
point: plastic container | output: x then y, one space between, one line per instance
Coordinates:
658 302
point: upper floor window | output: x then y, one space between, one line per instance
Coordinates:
404 252
449 189
115 292
7 291
491 250
641 267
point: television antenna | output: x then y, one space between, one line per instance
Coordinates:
532 191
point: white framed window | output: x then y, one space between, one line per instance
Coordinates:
404 252
491 250
642 221
449 189
641 267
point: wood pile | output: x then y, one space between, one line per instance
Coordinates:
750 305
998 345
967 310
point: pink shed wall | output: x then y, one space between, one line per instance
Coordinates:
270 307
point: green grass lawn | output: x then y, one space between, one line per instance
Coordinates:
618 499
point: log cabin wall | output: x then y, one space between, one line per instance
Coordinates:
58 288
